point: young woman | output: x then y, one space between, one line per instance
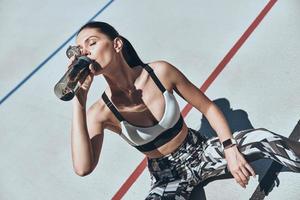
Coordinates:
139 105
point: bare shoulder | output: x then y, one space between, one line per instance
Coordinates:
165 71
95 108
161 66
99 117
97 114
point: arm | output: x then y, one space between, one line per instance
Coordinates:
86 132
86 139
237 165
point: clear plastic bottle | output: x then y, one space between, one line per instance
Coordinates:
68 85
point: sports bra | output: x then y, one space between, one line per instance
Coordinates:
150 138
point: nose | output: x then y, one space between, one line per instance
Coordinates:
85 52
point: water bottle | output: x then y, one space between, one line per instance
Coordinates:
69 84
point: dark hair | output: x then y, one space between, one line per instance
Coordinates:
128 51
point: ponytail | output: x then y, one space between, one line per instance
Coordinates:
130 54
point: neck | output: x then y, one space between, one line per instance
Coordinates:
122 78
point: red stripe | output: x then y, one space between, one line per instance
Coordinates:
131 179
140 168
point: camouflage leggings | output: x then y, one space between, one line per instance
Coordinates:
175 175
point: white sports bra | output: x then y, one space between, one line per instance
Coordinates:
150 138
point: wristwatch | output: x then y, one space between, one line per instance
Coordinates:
228 143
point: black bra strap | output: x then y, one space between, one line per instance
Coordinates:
111 106
154 77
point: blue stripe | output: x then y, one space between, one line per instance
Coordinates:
49 57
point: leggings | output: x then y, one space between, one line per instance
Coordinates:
175 175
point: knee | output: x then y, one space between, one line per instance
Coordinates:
153 197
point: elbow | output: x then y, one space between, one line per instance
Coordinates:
84 169
83 173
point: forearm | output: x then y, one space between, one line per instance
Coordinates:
82 153
218 122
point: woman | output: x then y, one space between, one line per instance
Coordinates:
139 105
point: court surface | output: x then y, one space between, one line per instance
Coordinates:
243 54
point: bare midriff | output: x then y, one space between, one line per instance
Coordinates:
170 146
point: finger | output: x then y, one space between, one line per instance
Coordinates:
245 172
92 69
250 169
243 177
238 179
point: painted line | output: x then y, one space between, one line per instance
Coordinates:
235 48
49 57
138 171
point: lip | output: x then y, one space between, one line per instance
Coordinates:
96 65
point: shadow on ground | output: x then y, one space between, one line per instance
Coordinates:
266 169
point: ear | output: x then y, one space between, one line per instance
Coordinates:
118 44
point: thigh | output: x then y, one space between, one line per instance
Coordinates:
213 162
177 189
252 143
246 142
250 136
262 143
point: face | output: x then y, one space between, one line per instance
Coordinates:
98 47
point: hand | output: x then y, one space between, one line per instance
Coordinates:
85 85
95 69
238 166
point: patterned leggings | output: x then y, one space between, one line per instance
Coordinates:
175 175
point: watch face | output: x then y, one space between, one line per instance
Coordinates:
227 143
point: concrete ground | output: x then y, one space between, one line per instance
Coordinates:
261 80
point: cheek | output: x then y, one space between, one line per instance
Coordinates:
104 54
